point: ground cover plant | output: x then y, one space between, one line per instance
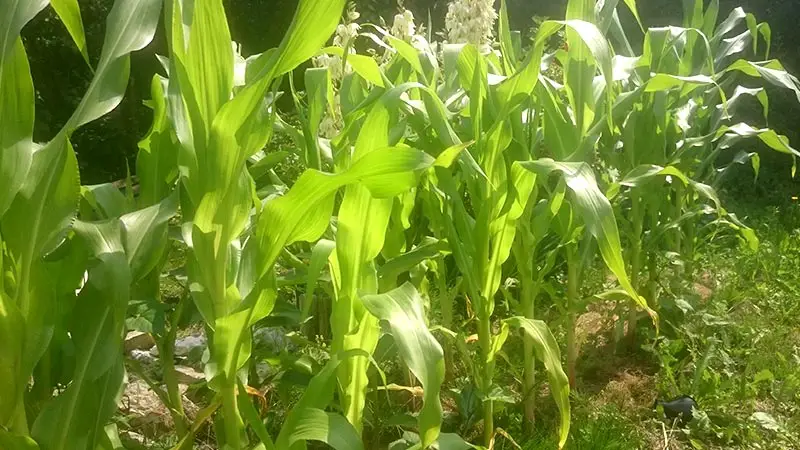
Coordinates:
400 260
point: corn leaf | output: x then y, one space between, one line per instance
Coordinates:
12 333
16 122
402 308
14 16
131 26
16 442
81 412
157 160
547 351
70 14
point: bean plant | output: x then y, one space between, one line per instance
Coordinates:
448 186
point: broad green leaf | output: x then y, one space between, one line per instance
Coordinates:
16 442
587 34
363 65
16 122
548 352
144 235
242 118
506 45
407 52
209 58
360 236
232 342
13 16
429 248
319 259
319 95
316 396
80 413
12 333
40 215
503 228
402 308
317 425
264 163
385 172
105 200
130 27
729 135
645 173
70 14
157 160
771 71
635 11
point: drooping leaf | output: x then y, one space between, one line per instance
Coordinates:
402 308
547 351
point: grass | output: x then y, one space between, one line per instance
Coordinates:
730 338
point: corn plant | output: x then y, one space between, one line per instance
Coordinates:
675 116
44 262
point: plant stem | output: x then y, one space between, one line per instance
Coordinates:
485 339
167 349
528 299
636 260
230 410
572 300
525 254
19 421
677 212
446 307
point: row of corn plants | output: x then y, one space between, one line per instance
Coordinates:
441 178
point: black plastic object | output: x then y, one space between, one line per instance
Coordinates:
679 408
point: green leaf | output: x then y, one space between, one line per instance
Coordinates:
16 117
317 425
10 441
157 160
317 396
145 235
402 308
79 415
319 89
407 52
645 173
506 44
429 248
547 351
70 14
253 419
319 259
729 135
14 16
243 120
385 172
363 65
771 71
12 333
130 27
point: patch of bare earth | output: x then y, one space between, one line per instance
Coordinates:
148 419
